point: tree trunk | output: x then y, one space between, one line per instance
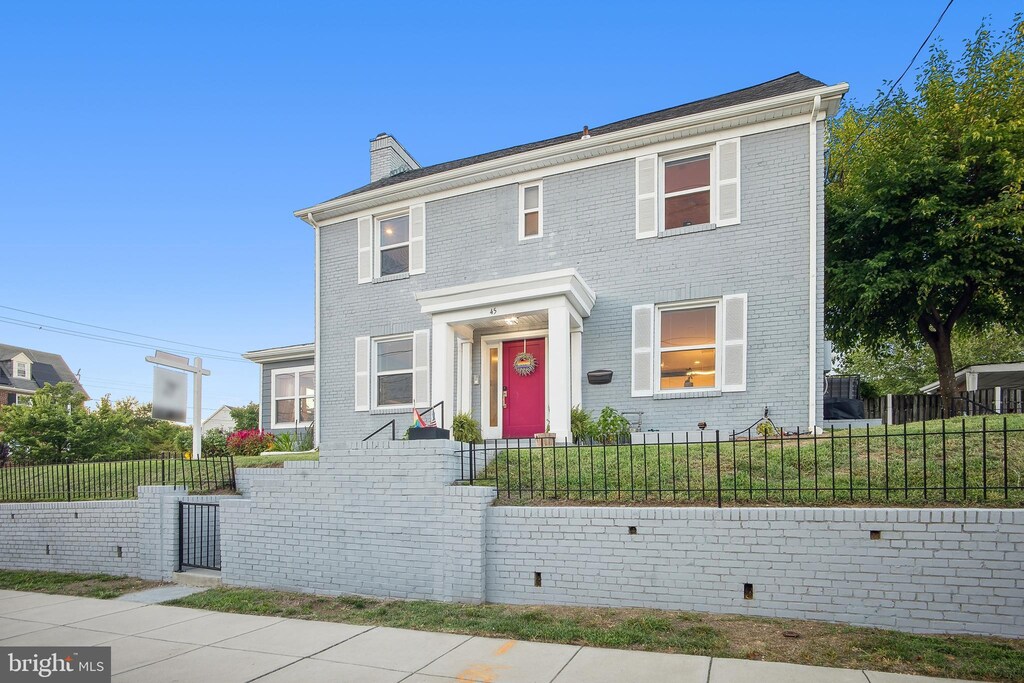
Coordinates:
938 333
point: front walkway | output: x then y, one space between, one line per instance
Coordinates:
156 643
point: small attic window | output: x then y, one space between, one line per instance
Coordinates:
21 369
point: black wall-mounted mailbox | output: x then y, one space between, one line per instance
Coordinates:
599 377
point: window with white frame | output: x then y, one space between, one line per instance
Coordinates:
393 244
687 337
685 190
293 396
22 399
530 202
21 369
392 372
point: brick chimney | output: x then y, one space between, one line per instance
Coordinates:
388 157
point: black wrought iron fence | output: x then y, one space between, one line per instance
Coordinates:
968 461
102 480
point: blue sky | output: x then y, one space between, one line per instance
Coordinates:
151 155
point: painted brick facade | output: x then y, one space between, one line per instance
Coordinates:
589 224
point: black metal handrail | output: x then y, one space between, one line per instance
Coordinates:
431 409
390 423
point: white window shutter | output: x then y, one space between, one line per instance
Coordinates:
417 240
365 229
362 395
643 350
421 368
727 188
647 196
734 343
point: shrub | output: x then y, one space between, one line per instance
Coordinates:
611 427
215 443
249 442
466 429
766 429
581 424
283 443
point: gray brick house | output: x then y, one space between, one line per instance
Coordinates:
678 252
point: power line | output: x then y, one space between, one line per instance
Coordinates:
878 105
111 329
103 338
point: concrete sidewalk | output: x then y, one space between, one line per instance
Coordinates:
156 643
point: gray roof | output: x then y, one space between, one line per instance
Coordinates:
794 82
47 368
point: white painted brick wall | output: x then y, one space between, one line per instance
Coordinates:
947 571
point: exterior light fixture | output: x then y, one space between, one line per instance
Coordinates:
512 320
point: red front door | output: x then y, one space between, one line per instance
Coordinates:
523 411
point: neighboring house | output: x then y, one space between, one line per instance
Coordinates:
681 250
24 371
221 419
988 376
287 387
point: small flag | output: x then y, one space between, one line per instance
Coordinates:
418 421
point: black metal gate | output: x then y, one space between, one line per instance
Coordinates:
198 535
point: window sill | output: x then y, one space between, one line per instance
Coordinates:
292 425
687 230
391 410
390 278
707 393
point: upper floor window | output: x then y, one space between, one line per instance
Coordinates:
21 369
687 347
294 397
22 399
393 238
530 202
393 372
686 191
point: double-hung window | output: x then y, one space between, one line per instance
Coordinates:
393 238
530 202
294 397
687 347
21 369
393 372
686 191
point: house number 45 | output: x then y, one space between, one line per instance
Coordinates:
493 311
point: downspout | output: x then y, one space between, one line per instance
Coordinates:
813 379
318 403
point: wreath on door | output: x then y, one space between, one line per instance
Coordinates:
524 363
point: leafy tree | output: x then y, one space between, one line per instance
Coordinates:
51 427
896 367
246 417
924 206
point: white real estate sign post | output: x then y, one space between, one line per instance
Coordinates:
169 360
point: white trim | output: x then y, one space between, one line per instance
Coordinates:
378 242
296 371
594 150
411 371
566 282
691 153
716 303
282 353
316 336
539 184
464 400
498 340
814 381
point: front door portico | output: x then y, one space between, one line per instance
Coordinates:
551 305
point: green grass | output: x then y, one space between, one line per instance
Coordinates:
121 479
714 635
905 465
83 585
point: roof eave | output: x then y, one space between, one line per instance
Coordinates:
831 96
281 353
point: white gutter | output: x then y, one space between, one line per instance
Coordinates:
590 145
813 381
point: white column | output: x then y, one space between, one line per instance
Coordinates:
465 404
576 353
559 371
442 375
999 400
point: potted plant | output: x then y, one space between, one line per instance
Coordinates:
466 429
545 438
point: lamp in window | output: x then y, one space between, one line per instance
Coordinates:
689 377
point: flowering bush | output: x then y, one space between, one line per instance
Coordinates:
249 442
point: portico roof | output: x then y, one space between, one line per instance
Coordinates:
519 289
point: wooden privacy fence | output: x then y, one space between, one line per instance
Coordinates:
903 408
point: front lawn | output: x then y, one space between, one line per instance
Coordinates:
81 585
715 635
975 461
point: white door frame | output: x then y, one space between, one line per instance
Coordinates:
487 342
